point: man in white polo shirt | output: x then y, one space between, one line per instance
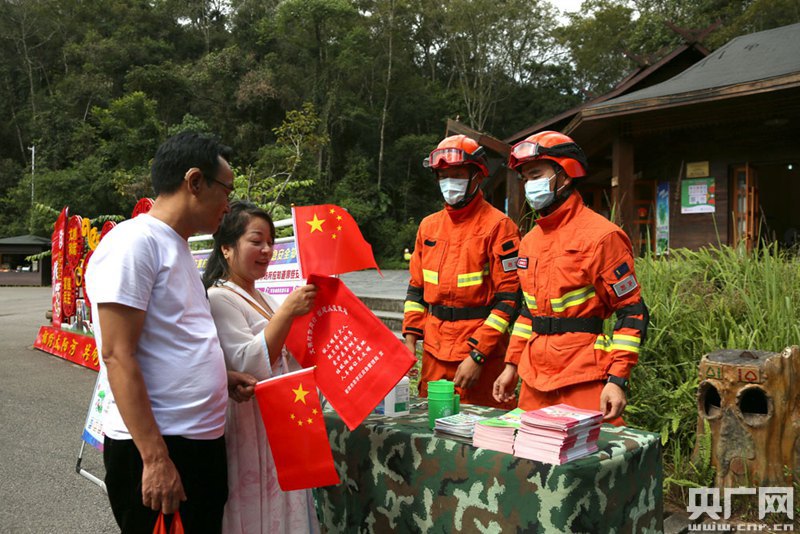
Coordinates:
164 448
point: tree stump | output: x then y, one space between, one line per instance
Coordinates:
751 401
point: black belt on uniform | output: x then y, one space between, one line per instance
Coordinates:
561 325
448 313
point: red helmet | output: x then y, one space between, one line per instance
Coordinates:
457 150
550 145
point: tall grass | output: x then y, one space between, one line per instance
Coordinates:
700 302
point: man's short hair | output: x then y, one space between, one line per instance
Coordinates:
180 153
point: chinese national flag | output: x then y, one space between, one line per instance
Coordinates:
296 431
359 360
329 241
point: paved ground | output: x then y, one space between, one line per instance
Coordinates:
43 403
370 284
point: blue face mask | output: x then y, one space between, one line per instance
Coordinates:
538 193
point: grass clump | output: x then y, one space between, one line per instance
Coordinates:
700 302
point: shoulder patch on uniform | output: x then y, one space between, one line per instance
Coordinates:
625 286
522 262
622 270
509 264
429 243
508 245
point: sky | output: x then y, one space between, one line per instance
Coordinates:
566 5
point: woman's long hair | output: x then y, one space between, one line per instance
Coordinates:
230 230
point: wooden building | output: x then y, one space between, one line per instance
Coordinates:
15 270
696 149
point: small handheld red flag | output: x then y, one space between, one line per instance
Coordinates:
292 416
359 360
329 241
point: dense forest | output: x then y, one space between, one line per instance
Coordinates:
322 100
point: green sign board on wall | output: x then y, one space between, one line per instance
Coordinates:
697 195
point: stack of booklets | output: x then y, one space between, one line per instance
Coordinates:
497 433
459 425
557 434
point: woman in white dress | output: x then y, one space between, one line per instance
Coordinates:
252 330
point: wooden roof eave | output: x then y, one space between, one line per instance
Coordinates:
693 97
492 143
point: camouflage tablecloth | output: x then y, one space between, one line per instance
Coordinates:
397 476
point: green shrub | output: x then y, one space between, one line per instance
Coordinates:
700 302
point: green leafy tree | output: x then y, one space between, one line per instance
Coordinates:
492 47
597 38
129 131
284 169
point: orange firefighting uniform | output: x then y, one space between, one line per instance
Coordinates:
575 270
462 292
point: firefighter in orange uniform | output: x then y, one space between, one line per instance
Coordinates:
575 269
463 287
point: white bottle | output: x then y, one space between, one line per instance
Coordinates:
396 401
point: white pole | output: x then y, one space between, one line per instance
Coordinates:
33 174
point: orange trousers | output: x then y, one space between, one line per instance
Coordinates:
585 395
480 393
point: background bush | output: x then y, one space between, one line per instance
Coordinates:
700 302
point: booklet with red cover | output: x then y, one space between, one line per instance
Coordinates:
557 442
562 418
557 434
550 457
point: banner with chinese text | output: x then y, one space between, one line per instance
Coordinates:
283 273
73 347
359 360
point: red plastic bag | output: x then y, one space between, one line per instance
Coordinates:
175 528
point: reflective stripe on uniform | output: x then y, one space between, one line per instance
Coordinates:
530 301
497 322
411 306
627 343
573 298
603 343
432 277
470 279
473 279
522 330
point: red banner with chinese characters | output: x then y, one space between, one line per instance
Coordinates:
68 291
75 241
58 245
359 360
71 346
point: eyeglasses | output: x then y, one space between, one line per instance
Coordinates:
228 188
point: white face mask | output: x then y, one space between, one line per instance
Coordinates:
538 193
453 189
